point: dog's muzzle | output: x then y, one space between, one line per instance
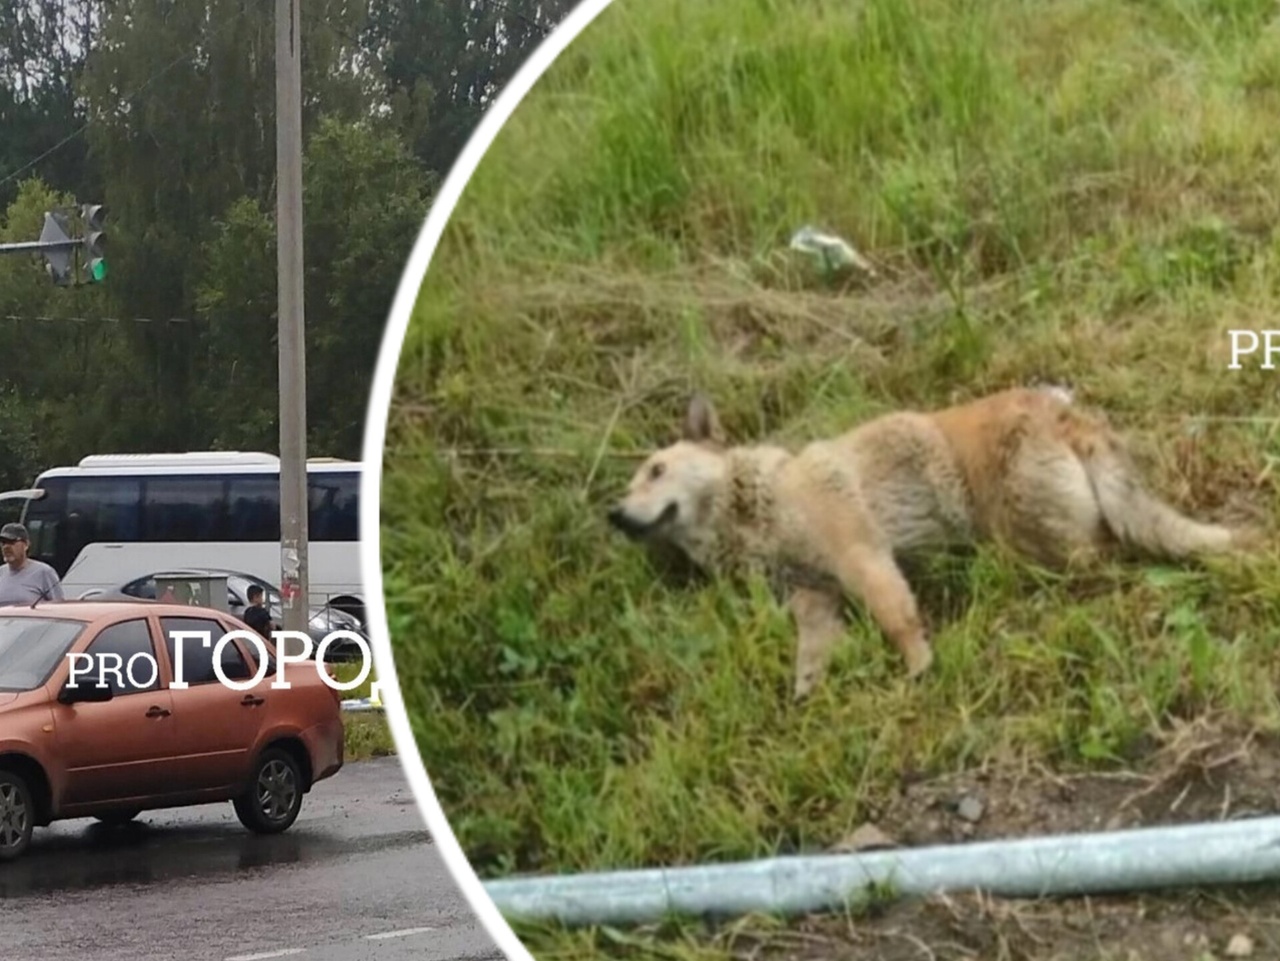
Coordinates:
624 522
635 529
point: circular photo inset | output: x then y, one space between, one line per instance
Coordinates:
828 472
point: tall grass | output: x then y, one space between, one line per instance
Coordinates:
1081 191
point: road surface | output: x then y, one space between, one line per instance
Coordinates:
356 878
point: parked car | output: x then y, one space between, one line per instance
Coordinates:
73 747
321 621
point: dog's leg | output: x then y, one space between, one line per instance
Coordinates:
818 625
1138 518
1053 513
873 576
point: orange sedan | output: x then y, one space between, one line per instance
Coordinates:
111 708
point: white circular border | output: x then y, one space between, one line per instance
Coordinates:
375 436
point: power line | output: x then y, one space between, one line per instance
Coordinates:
129 99
19 318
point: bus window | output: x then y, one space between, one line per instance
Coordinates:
253 509
104 509
184 509
333 507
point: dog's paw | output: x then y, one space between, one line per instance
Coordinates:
919 659
805 683
1249 539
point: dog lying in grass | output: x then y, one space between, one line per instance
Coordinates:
1023 467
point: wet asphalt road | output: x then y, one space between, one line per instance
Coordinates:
356 877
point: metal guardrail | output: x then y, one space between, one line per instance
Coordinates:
1142 859
358 705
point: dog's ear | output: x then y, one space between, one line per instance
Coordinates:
701 423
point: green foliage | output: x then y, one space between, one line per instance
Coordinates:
351 228
437 99
165 113
42 45
1077 193
367 733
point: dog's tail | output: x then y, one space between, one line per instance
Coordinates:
1140 520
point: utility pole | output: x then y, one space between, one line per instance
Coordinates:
292 341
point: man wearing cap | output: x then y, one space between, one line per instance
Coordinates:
24 580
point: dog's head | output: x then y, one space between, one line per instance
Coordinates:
670 495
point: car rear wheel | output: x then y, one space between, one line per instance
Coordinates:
274 797
17 815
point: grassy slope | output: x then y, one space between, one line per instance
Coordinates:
1079 192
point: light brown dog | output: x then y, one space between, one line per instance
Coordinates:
1023 467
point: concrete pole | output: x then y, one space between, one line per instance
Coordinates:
292 342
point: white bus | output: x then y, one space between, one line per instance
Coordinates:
116 517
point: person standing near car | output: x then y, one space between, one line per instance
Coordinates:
256 614
23 579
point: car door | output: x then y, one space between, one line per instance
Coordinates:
216 727
121 748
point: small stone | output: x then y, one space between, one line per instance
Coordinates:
971 809
1240 946
868 837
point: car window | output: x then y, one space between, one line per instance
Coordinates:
257 661
254 659
123 657
31 648
197 659
143 587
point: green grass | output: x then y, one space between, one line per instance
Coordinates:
1080 192
367 734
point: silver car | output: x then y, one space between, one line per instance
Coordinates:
321 621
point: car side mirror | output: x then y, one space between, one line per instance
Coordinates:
85 694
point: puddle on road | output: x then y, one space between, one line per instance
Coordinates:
143 854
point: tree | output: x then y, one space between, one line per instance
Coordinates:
438 90
42 47
165 112
198 139
358 232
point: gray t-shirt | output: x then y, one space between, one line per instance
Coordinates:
34 581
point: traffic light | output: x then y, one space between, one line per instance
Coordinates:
58 260
95 241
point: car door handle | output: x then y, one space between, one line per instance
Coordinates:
250 701
157 711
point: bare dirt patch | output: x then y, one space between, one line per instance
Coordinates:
1198 926
1202 773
